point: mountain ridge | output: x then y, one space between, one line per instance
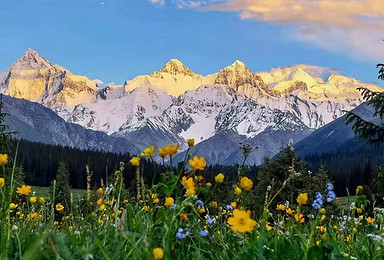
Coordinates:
176 104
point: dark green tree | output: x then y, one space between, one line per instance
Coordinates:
63 189
287 176
371 132
5 137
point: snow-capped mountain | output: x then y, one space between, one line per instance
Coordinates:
34 78
174 103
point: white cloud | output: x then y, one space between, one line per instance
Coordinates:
102 3
354 27
99 82
185 4
157 2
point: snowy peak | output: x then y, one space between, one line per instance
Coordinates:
175 67
31 60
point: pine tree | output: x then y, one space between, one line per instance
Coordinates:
368 131
63 189
5 138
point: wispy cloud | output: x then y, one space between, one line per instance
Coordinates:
187 4
157 2
354 27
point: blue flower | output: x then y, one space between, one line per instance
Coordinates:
316 205
318 202
204 233
181 234
229 207
331 196
200 203
330 186
173 206
210 220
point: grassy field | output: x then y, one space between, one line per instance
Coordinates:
44 192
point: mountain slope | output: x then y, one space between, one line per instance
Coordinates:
37 123
337 135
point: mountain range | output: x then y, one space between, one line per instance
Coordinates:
220 110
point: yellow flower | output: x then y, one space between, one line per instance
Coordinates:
321 229
202 210
267 226
100 201
100 191
197 164
219 178
322 211
234 204
349 238
162 152
241 221
183 216
280 207
213 204
302 198
3 159
289 211
246 183
146 208
2 182
172 149
59 207
42 200
169 201
148 152
361 217
191 142
322 217
33 200
158 253
12 206
360 187
359 210
24 190
190 192
101 207
187 183
135 161
354 230
238 191
168 150
370 220
299 218
155 199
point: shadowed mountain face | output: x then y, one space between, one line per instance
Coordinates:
174 104
37 123
337 135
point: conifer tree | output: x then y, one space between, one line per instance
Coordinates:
5 143
366 130
63 189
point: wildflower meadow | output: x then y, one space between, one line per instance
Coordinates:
183 214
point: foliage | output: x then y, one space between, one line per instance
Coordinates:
62 189
115 224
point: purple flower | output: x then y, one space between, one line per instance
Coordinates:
204 233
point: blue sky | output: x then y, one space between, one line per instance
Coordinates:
117 40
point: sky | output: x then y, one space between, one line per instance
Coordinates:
116 40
